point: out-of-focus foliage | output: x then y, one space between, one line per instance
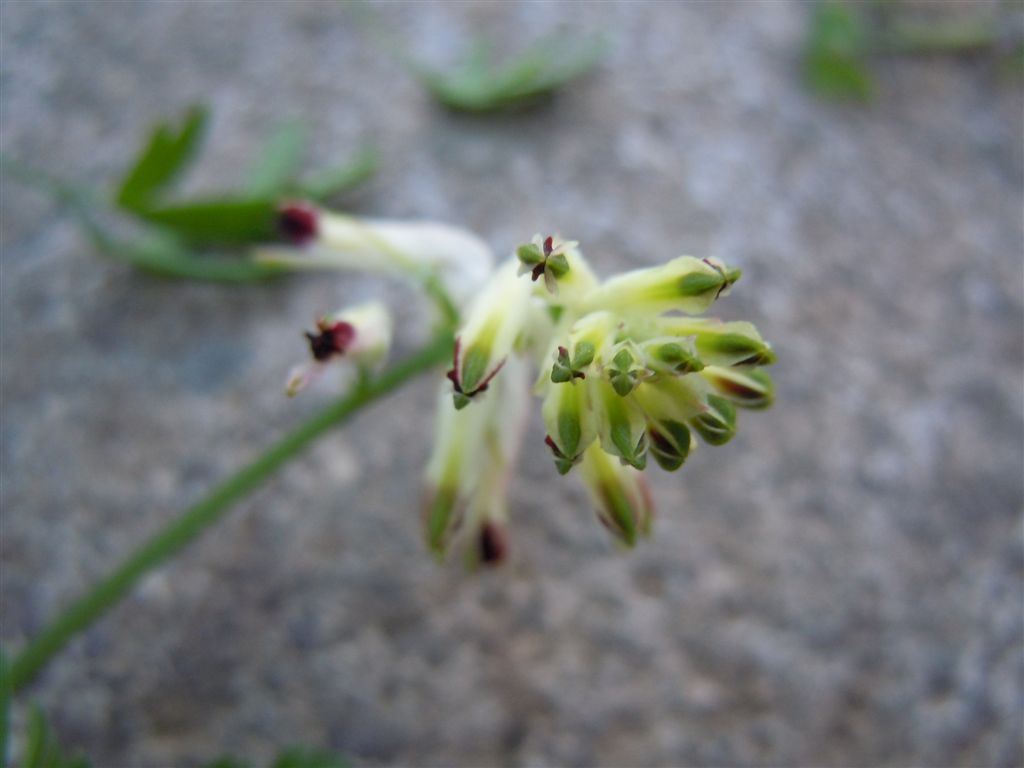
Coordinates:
835 58
480 85
41 749
181 232
296 757
234 217
844 38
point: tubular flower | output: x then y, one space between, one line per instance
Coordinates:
621 377
360 334
470 469
323 240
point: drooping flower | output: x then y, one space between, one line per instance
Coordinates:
359 334
323 240
623 373
621 376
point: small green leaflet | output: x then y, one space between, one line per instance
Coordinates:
162 159
478 85
278 161
834 59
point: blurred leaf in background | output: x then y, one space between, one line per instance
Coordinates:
480 85
41 749
835 58
181 232
235 217
844 38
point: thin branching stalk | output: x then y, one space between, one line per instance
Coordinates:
187 527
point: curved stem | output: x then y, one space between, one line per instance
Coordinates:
193 521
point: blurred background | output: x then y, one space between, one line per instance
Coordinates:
840 585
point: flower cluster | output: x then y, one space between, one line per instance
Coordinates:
625 375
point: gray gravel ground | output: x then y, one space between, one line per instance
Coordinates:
839 586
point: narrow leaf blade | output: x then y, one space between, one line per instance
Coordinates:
162 159
278 161
218 220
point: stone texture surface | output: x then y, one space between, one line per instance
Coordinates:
841 585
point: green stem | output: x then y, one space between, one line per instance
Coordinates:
196 519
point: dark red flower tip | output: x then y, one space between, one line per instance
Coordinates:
548 242
333 339
493 544
298 222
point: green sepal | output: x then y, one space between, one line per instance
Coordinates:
699 283
460 400
474 367
564 465
717 425
560 374
440 517
678 358
623 382
753 351
669 443
583 356
557 265
752 389
530 254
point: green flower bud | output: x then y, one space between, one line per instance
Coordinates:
493 323
684 284
676 398
747 388
454 471
621 374
675 357
566 369
717 425
559 262
670 443
569 423
619 495
621 426
718 343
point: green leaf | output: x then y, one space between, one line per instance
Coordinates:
165 257
36 740
278 161
162 159
324 185
224 220
836 52
478 86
